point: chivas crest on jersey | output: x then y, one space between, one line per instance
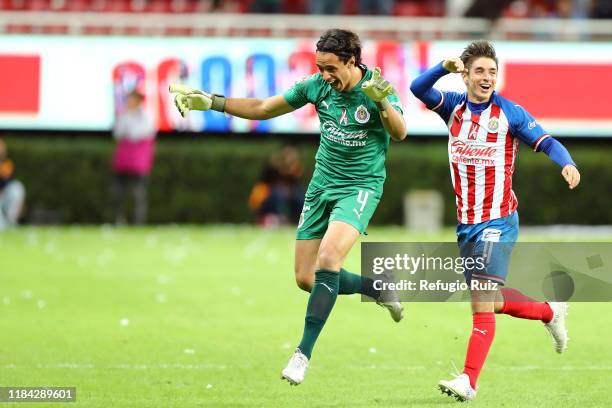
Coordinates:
362 115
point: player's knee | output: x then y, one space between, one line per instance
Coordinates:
483 307
329 259
304 283
304 280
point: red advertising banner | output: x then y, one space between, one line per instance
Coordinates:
561 90
19 84
563 85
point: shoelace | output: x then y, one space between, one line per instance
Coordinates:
300 361
455 373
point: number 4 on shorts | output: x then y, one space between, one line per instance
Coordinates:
362 198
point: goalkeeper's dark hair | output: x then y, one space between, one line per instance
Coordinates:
343 43
478 49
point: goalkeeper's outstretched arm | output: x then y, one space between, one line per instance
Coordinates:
187 99
258 109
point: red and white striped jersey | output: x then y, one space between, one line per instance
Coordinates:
482 148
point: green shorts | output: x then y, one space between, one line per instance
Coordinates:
354 206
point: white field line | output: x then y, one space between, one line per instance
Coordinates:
212 366
491 367
80 366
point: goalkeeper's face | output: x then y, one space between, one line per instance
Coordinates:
335 72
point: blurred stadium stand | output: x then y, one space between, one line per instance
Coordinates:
412 19
56 136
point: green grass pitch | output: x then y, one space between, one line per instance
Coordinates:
208 316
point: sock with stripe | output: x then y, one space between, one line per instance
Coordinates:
518 305
320 303
483 332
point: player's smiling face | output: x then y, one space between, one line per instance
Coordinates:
334 71
481 79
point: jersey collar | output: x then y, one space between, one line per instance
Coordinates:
480 107
366 74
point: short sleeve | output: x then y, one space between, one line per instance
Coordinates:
447 105
301 93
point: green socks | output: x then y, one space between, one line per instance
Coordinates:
327 286
320 303
351 283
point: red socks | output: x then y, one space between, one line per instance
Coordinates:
483 329
518 305
483 332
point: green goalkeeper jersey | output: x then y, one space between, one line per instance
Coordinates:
353 142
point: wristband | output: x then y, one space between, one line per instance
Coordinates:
218 103
382 107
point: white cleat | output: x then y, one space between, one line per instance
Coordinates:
395 308
296 368
390 300
556 327
459 388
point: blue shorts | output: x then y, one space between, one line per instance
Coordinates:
493 242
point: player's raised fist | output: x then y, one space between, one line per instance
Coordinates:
571 175
377 88
454 65
188 99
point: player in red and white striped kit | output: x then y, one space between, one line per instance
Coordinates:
484 131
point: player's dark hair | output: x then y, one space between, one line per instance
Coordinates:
478 49
343 43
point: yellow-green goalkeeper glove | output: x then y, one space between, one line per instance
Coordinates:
188 99
377 88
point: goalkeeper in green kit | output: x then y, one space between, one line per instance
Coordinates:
359 112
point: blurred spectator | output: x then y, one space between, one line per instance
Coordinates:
324 7
602 9
542 9
488 9
278 196
375 7
517 9
581 9
429 8
220 6
457 8
210 5
12 192
266 6
565 8
133 159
